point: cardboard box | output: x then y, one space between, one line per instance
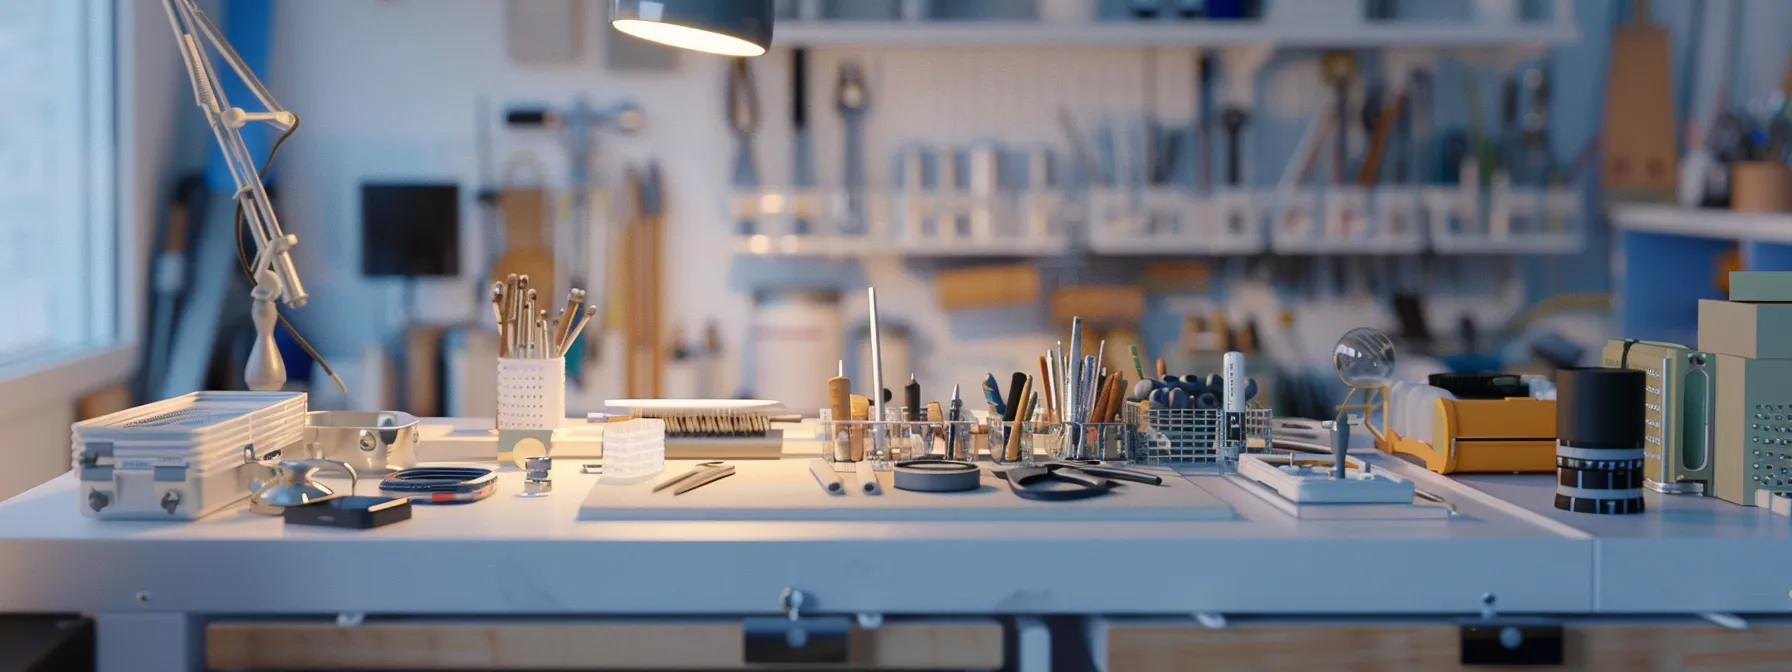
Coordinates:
1752 330
1761 286
1754 428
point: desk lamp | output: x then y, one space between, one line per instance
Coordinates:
1364 360
272 269
728 27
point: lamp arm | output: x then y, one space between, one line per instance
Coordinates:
272 244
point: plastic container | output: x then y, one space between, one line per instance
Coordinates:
634 450
531 397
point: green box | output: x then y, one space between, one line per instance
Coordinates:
1761 286
1752 330
1678 438
1754 429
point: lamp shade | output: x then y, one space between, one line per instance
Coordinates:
726 27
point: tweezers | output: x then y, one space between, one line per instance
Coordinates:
704 474
1099 470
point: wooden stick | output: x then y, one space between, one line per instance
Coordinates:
1012 453
1045 378
1161 371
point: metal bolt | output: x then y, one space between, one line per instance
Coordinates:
1511 638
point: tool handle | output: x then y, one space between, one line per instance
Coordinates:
527 116
911 401
799 88
1017 386
840 409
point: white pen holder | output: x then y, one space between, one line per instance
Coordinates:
531 401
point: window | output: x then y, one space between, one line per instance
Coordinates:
58 224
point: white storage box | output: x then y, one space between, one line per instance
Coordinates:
182 458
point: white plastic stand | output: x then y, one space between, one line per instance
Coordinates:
531 402
1312 482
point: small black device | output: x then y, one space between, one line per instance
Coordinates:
1481 385
354 513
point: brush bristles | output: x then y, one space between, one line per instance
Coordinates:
709 422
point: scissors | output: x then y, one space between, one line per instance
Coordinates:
703 474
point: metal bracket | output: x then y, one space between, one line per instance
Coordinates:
794 639
1511 643
1492 640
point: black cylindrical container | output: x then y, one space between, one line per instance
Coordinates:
1599 440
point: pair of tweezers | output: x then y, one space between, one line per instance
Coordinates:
1098 469
704 474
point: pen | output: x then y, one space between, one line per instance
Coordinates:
993 394
911 399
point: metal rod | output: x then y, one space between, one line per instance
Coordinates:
877 358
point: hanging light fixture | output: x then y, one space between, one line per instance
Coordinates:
726 27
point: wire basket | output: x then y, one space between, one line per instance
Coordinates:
1190 436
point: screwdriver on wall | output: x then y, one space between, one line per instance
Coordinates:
852 100
1338 68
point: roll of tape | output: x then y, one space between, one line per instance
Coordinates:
937 476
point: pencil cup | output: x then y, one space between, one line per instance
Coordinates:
1013 443
531 401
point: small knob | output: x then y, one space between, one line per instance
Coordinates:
97 500
170 502
791 601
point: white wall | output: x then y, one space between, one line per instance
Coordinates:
389 90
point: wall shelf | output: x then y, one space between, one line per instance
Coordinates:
1670 257
1705 223
1166 33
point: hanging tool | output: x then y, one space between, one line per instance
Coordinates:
1234 119
1338 68
1536 159
579 126
644 351
743 118
1205 70
1639 145
852 99
803 163
1423 153
1381 123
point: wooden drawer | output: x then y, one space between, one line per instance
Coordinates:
1319 646
583 645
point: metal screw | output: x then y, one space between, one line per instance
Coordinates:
143 597
791 601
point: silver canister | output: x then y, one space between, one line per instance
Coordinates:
374 443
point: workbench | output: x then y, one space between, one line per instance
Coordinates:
1144 590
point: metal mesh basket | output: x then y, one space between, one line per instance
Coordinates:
1189 436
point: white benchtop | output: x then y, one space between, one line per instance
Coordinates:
514 555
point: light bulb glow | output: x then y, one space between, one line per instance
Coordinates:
686 37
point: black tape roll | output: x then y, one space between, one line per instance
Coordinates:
937 476
1600 408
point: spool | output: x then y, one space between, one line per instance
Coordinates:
1599 440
